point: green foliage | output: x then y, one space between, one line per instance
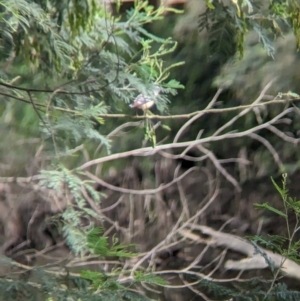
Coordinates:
29 31
271 242
291 207
99 245
228 23
226 31
99 64
46 284
268 207
102 281
68 185
68 287
284 245
287 246
73 64
148 278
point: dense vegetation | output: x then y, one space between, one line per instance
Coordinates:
86 177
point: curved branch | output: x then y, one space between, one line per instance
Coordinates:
139 192
149 151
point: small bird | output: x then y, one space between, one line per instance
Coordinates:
145 102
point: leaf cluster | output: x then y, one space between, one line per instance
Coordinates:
291 207
228 23
94 68
51 288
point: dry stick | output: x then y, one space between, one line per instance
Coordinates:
257 113
174 231
219 167
97 210
281 135
116 130
131 218
183 285
187 149
182 116
94 262
259 98
32 218
194 290
183 200
182 156
253 259
270 148
193 273
187 270
120 200
201 113
148 151
235 160
21 179
197 259
139 192
30 256
189 115
222 256
210 183
150 289
200 275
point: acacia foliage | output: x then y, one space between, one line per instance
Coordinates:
228 22
72 63
66 66
78 62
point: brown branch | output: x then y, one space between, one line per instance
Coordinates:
138 192
195 114
253 259
149 151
